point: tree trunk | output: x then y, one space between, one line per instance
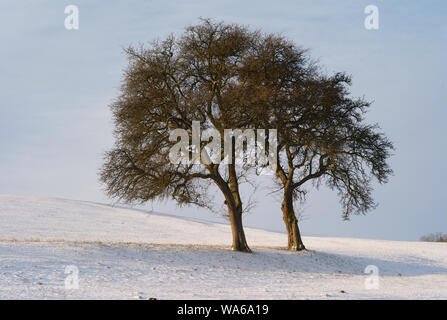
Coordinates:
235 211
239 241
234 204
293 232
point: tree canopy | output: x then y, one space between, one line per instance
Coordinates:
225 76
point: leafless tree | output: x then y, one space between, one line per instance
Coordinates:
435 237
168 86
322 135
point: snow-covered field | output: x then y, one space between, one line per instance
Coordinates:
132 254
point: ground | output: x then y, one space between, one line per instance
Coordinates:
132 254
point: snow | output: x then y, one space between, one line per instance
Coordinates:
131 254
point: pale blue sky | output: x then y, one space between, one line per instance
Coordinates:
56 86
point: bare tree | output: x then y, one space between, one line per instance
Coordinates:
166 87
435 237
322 137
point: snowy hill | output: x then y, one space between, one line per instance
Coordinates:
125 253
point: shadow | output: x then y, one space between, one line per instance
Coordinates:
274 260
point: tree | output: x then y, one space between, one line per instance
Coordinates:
227 77
435 237
322 137
167 87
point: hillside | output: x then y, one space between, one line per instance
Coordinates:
126 254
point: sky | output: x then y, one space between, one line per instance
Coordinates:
57 84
